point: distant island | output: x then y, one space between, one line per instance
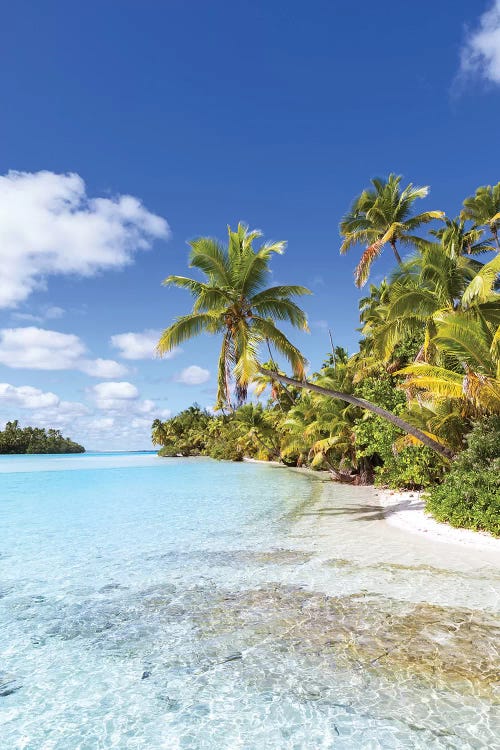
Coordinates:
16 439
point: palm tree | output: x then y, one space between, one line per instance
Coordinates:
421 289
255 423
470 374
484 283
483 209
280 395
457 240
158 432
234 302
383 215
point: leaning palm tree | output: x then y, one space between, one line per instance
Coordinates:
383 215
483 209
233 302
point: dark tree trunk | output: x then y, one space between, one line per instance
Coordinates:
495 235
395 251
366 474
274 451
364 404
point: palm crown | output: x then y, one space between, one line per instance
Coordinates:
483 209
381 215
233 301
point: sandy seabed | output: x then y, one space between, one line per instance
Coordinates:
406 511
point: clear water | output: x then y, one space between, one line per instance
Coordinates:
164 603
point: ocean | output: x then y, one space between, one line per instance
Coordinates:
188 603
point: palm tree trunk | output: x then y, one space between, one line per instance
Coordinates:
363 404
283 384
271 449
495 235
395 251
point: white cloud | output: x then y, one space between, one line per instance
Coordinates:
147 406
141 423
41 349
481 53
193 375
48 225
45 408
65 415
101 423
121 389
53 313
46 313
28 317
118 417
138 345
27 397
102 368
114 395
323 324
122 400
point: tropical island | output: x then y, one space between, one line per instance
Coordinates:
418 406
15 439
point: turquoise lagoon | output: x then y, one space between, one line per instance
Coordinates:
168 603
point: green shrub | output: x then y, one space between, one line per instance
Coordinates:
469 497
411 468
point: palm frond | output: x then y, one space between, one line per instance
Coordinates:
281 291
186 327
209 256
268 330
282 309
483 284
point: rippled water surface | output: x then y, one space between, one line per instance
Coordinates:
166 603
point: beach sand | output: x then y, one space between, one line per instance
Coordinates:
406 511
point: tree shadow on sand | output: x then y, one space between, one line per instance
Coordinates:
365 512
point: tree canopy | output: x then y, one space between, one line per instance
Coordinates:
16 439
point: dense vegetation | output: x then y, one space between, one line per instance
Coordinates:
426 376
470 493
16 439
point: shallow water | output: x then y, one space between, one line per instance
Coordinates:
164 603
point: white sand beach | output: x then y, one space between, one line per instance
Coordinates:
406 511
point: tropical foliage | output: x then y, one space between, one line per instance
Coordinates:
233 301
16 439
427 369
383 215
470 493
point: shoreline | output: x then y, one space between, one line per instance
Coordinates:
405 510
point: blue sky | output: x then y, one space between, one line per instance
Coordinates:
207 113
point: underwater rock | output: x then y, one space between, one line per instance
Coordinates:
441 645
8 684
111 587
233 657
